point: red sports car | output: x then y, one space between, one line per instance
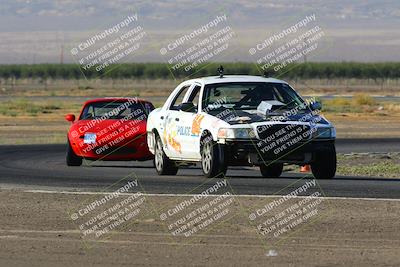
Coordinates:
109 129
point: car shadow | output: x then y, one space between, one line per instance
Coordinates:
119 166
336 178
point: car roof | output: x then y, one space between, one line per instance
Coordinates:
235 78
115 99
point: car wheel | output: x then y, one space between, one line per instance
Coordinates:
72 159
163 164
213 160
324 166
271 170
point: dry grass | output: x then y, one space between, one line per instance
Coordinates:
392 107
22 106
359 103
157 87
385 165
95 87
363 100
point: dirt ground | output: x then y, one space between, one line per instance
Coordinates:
385 165
365 125
37 230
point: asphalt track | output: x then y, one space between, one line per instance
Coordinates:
43 167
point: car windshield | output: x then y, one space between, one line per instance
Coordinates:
116 110
249 95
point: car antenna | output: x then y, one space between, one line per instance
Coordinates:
221 71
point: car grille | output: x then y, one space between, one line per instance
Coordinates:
273 132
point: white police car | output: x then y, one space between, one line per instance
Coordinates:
234 120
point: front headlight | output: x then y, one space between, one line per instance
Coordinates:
323 132
235 133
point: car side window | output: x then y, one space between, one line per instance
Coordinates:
194 96
179 98
88 113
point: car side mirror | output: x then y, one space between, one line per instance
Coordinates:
70 117
187 107
316 106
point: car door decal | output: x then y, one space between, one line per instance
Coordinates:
170 136
196 124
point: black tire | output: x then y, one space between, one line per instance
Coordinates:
213 160
272 170
324 166
71 158
163 165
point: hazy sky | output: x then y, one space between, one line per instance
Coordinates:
34 31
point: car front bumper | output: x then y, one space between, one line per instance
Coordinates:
251 152
130 149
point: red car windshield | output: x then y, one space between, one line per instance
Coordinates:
116 110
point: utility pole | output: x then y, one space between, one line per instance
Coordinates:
62 54
305 54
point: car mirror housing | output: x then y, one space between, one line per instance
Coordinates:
187 107
316 105
70 117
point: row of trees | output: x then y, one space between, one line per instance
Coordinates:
162 70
